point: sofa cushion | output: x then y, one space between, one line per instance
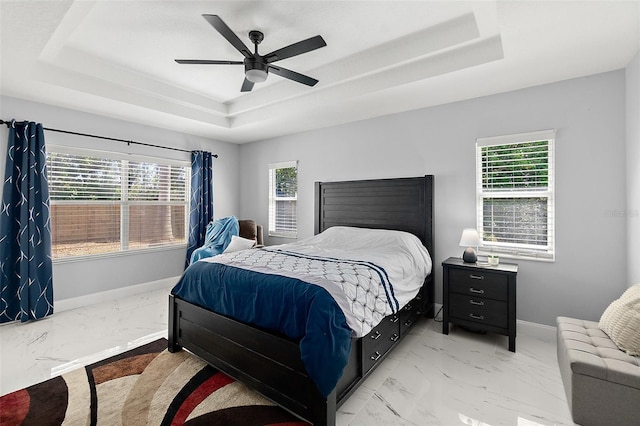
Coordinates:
621 321
591 352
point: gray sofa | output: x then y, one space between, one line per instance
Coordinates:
602 383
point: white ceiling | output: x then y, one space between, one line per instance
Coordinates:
116 58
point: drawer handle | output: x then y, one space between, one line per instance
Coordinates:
394 337
376 356
475 302
474 290
394 319
376 336
408 322
478 317
476 277
408 307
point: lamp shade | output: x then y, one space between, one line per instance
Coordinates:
470 238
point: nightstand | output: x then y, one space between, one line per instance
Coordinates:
480 297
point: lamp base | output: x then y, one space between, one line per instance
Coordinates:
469 256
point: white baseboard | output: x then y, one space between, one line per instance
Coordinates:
118 293
437 313
541 331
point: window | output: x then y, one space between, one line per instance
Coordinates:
515 196
106 202
283 196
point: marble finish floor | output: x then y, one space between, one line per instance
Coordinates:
430 379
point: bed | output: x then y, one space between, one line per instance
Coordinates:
272 363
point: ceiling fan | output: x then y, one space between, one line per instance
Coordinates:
256 66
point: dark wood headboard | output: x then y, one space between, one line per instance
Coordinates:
403 204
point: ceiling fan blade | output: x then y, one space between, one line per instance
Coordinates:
246 86
294 49
228 33
207 62
292 75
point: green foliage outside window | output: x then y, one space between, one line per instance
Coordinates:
522 166
287 182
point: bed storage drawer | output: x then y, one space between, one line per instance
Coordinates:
379 341
409 315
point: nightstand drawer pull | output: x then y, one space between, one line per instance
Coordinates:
394 337
475 302
476 277
376 336
478 317
376 356
473 290
394 319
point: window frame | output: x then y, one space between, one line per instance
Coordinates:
514 250
272 229
125 204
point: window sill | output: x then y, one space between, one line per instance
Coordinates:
516 256
292 237
90 257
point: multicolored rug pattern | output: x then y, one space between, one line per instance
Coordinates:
144 386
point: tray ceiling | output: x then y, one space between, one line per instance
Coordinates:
116 58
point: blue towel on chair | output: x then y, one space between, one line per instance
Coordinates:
217 238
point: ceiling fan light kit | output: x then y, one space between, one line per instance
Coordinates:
256 66
256 75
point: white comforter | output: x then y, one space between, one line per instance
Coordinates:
404 260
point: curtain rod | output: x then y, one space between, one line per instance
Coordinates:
128 142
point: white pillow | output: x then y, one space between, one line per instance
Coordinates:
621 321
238 243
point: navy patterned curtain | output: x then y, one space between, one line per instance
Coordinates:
201 206
26 284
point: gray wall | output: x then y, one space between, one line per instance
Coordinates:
78 278
589 115
633 170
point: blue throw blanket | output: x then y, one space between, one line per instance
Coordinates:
303 312
217 238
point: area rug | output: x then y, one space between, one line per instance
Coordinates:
144 386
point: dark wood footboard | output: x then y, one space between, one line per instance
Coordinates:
264 361
271 364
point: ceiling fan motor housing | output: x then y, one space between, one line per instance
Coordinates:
256 63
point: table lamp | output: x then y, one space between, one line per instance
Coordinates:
469 239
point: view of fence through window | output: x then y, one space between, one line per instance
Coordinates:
105 205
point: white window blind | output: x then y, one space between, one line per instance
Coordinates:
515 195
106 203
283 198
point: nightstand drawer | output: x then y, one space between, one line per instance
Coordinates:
480 310
478 283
